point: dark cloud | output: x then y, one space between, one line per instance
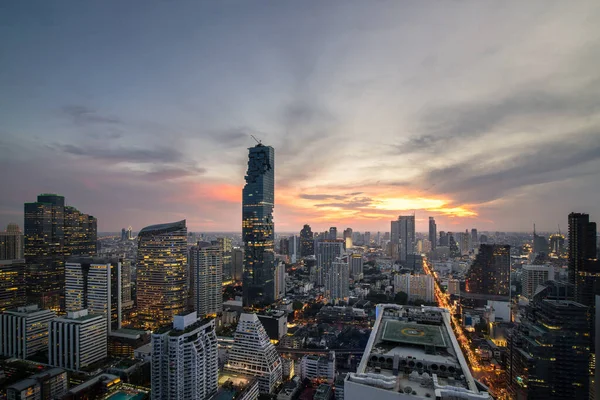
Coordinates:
172 173
83 115
124 154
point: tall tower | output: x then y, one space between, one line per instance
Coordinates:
337 282
307 244
432 233
407 236
327 252
206 266
582 257
489 274
161 273
258 199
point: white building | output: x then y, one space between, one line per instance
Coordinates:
253 353
77 340
185 361
454 287
534 275
294 248
418 287
315 367
206 265
24 331
398 363
279 281
94 284
337 284
356 266
327 252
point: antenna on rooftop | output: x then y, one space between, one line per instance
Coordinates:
257 141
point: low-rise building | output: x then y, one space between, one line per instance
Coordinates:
316 367
50 384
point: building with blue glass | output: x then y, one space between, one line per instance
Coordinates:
257 227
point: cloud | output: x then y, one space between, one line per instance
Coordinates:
124 154
83 115
322 196
172 173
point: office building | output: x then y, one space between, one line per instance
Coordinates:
279 281
432 233
294 249
275 323
533 276
454 287
12 284
50 384
332 233
258 200
474 238
316 367
206 266
584 268
253 353
348 240
237 261
24 331
225 244
161 273
95 284
52 232
417 287
126 277
11 243
356 266
123 342
548 352
185 361
337 282
307 244
394 245
327 252
489 274
407 239
412 354
77 340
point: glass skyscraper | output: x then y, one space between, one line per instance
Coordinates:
161 273
257 226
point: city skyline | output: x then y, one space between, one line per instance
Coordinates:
373 111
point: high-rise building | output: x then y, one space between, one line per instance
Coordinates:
11 243
307 244
557 244
584 269
226 247
417 287
327 252
474 238
126 276
279 281
12 284
489 274
206 263
185 361
534 275
394 239
253 353
237 261
318 367
348 241
123 234
407 236
540 244
161 273
294 248
24 331
52 232
258 200
356 266
548 352
337 282
95 284
77 340
443 240
432 233
453 246
332 233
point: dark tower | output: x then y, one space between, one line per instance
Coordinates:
432 233
307 243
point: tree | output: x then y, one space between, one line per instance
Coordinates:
297 305
401 298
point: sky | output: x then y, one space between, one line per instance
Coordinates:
482 114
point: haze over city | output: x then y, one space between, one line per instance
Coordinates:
480 114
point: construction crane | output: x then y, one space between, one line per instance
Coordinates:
257 141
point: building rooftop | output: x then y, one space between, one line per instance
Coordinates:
413 351
162 228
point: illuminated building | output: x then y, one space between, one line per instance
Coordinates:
77 340
185 362
489 275
417 287
280 281
275 323
454 287
394 239
123 342
327 252
52 232
226 249
50 384
348 238
534 275
356 266
94 284
432 233
126 274
12 284
412 353
584 268
206 267
24 331
161 273
548 352
337 282
11 243
253 353
307 244
315 367
258 198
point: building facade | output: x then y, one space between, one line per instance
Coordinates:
337 283
11 243
12 284
206 267
432 233
24 331
50 384
315 367
258 200
162 273
417 287
356 266
327 252
534 275
489 274
185 362
307 244
407 236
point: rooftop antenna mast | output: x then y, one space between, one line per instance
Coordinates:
257 141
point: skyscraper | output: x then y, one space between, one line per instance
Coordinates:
206 263
185 361
432 233
280 281
489 274
24 331
356 266
161 273
584 269
407 236
394 239
540 244
307 244
327 252
226 247
237 262
53 232
474 238
337 281
253 353
333 233
348 238
11 243
258 198
12 284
